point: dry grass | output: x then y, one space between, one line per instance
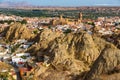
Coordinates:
4 66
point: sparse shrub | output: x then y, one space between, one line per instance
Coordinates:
67 31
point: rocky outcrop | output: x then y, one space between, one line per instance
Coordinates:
106 64
73 52
18 31
79 46
42 41
70 47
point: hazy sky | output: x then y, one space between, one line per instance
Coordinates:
69 2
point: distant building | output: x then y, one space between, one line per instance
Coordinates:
80 17
66 21
61 17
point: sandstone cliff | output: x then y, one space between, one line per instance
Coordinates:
106 66
18 31
71 54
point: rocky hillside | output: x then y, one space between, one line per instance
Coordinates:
108 63
72 56
18 31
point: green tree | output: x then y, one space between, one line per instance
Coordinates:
24 22
35 31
